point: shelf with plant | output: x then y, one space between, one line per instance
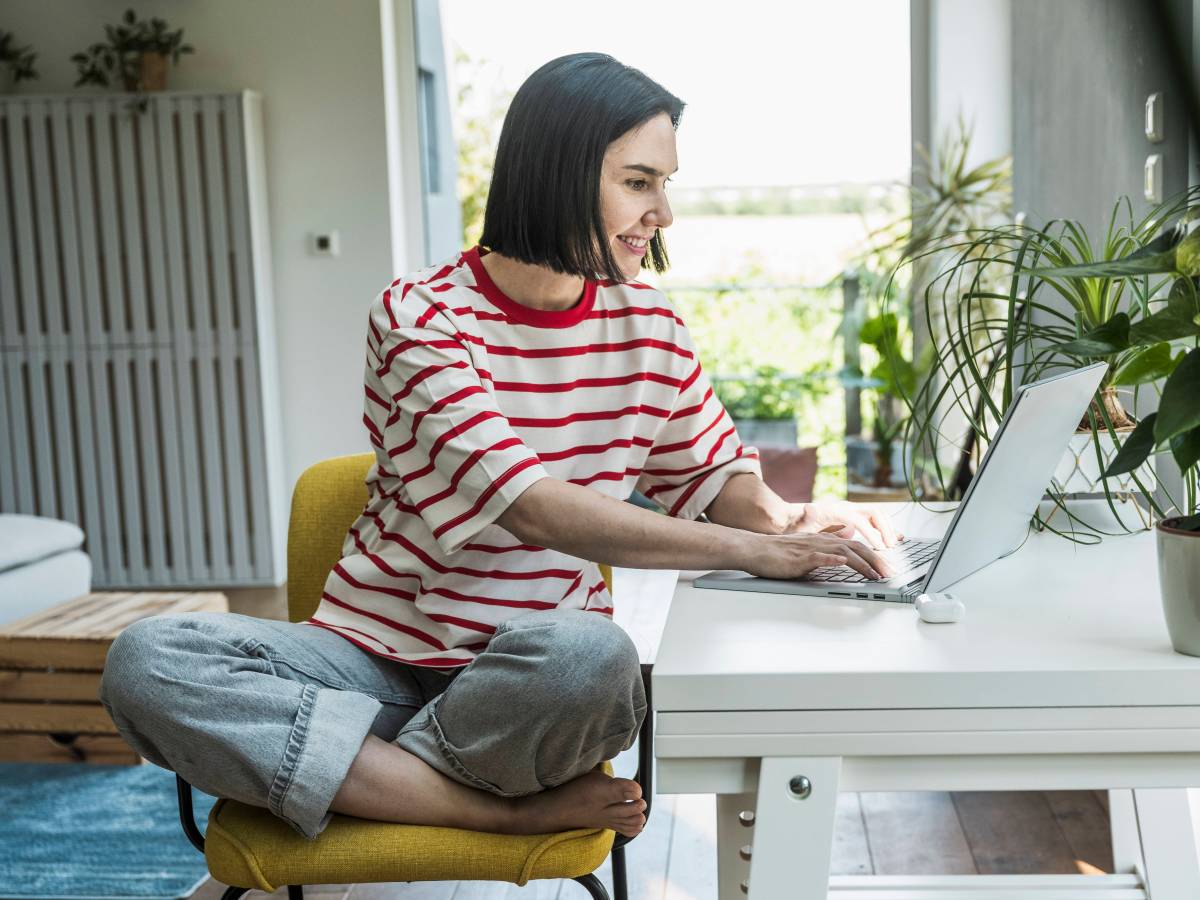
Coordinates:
1021 302
135 53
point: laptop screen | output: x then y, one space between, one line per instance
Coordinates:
993 518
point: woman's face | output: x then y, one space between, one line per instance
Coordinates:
633 190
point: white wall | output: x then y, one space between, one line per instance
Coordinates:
319 67
965 67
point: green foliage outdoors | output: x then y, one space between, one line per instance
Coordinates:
766 393
773 352
477 138
841 199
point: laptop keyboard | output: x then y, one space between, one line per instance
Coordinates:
903 557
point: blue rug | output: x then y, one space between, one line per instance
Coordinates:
69 832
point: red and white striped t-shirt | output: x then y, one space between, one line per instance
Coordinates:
471 398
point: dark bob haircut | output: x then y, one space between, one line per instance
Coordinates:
544 203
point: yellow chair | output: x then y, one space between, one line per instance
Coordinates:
248 848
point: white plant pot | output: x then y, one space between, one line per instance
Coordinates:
767 432
1179 582
1079 471
861 461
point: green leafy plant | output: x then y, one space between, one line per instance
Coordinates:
1062 303
946 197
121 55
892 377
1145 349
766 393
18 59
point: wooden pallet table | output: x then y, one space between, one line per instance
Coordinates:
50 668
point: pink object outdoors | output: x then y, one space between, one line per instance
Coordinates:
791 472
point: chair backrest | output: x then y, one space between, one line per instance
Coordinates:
327 499
329 496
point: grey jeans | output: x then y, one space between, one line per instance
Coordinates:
273 713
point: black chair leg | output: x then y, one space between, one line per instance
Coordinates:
295 892
232 893
594 887
620 886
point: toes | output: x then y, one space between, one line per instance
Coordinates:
624 807
631 828
628 818
630 790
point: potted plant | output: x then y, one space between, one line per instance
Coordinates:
1022 302
946 197
136 52
763 404
764 407
884 461
1153 343
18 60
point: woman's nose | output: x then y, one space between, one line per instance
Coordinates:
660 215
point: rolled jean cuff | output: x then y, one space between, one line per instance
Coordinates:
330 728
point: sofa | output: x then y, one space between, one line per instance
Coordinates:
42 563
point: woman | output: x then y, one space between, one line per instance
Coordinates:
463 668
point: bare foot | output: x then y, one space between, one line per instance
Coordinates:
593 800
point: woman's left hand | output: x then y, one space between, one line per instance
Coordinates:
843 518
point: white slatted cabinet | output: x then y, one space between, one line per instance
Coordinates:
138 388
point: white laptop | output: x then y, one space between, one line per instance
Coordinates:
991 521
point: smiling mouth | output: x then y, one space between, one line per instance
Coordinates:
636 245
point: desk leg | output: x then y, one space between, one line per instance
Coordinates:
1126 843
793 828
1164 819
732 836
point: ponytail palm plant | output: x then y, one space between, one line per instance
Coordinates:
1014 303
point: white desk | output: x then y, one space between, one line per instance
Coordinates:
1061 676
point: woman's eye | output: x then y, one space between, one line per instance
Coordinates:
640 183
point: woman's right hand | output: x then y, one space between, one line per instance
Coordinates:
795 555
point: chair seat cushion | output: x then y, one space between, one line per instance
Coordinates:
246 846
25 539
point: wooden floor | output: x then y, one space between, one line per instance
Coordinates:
1052 832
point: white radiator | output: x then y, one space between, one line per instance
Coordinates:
138 391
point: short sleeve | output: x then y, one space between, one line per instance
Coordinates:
456 453
696 449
